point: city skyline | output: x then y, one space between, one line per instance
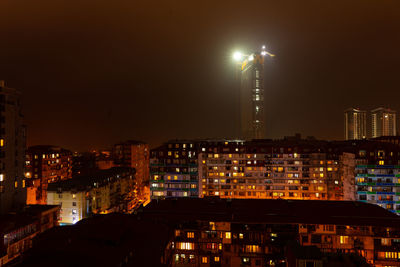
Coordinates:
126 71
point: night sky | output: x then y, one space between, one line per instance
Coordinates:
96 72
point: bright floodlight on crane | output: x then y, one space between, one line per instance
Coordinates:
237 56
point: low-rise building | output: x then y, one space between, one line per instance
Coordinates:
189 232
248 232
17 230
104 191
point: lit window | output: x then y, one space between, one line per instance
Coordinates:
228 235
23 183
1 177
73 196
385 242
252 248
212 226
344 239
241 236
392 255
190 234
2 142
185 245
15 184
216 259
204 259
381 162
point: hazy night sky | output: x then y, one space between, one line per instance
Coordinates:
96 72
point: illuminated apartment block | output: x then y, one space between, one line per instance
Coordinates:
45 165
384 122
174 170
378 175
104 191
12 151
355 124
275 169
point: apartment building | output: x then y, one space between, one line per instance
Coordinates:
104 191
275 169
12 151
174 170
44 165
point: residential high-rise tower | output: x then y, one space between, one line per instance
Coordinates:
12 151
355 124
383 122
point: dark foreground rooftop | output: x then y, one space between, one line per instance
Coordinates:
274 211
141 239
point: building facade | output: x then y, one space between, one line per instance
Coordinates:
135 154
264 169
275 169
355 124
18 230
105 191
12 151
45 165
174 170
384 122
238 232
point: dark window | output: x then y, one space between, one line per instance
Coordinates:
316 239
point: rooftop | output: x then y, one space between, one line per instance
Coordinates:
273 211
82 182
